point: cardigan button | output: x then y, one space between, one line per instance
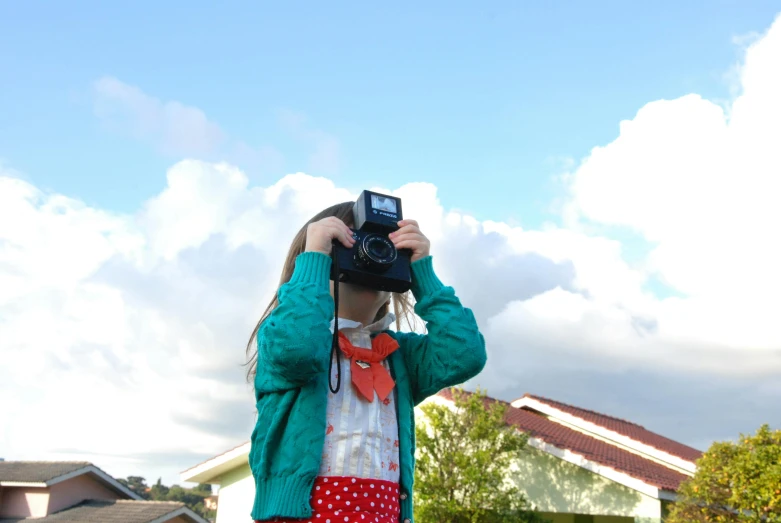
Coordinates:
403 496
407 520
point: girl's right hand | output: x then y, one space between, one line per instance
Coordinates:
320 234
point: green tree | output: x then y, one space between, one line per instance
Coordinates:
193 498
734 483
137 484
204 488
464 461
189 497
158 491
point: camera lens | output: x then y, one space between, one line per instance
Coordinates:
377 252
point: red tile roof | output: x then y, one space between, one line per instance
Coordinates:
625 428
598 451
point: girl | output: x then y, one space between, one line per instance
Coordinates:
348 456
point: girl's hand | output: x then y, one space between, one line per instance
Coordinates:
409 237
320 234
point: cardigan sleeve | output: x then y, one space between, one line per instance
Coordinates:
453 351
295 339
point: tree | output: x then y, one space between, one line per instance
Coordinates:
734 483
137 484
193 498
464 459
204 488
158 490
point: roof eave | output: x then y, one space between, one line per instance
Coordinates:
109 481
211 470
610 473
674 462
24 484
105 479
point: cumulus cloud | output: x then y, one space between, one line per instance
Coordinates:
697 183
127 331
700 183
124 334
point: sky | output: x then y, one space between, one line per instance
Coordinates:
599 182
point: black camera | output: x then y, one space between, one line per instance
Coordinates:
374 261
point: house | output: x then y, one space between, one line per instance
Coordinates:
580 466
210 503
77 491
586 467
230 470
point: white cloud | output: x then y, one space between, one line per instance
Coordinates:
699 184
702 186
127 332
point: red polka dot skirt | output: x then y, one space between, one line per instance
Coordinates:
352 500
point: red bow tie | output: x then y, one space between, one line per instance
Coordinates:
368 374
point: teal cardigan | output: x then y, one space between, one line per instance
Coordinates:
291 384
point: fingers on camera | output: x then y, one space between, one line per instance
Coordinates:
345 235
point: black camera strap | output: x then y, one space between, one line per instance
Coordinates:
335 343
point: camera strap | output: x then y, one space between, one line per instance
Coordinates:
335 352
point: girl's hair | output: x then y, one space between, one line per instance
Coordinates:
402 306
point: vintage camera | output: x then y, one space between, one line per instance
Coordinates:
374 261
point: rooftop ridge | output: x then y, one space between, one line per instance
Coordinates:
555 402
449 391
625 428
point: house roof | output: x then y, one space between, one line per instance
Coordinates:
47 473
593 449
211 470
123 511
626 428
38 471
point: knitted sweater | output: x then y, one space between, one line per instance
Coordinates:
291 384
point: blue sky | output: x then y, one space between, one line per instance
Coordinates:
486 102
99 100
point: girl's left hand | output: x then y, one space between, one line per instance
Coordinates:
409 237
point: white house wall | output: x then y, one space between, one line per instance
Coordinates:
553 485
237 493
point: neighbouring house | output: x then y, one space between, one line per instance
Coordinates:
230 470
66 491
580 466
210 503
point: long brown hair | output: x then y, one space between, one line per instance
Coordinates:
402 305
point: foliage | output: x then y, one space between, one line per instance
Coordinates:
193 498
137 484
734 483
465 456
